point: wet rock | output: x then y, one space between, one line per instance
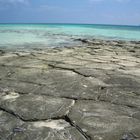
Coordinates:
70 84
135 42
8 123
101 74
89 92
59 83
132 50
34 107
11 128
53 129
122 95
129 136
104 121
2 52
122 89
19 86
81 40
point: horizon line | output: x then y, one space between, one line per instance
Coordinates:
106 24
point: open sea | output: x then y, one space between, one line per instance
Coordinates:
57 35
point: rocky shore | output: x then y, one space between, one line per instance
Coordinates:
90 92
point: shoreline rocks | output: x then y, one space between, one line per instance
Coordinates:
86 92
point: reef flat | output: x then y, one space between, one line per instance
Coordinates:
89 92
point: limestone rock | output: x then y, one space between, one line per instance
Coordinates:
48 130
105 121
34 107
8 123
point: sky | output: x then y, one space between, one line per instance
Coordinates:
122 12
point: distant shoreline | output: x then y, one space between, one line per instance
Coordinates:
62 34
130 46
77 24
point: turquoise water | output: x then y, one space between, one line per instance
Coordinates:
50 35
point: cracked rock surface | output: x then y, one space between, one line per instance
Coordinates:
11 128
90 92
101 120
34 107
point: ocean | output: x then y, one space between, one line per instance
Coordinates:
57 35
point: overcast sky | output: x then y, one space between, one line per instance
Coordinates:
70 11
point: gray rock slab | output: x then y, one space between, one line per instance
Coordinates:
8 123
105 121
122 89
34 107
89 72
5 72
102 77
119 79
60 83
8 57
12 128
48 130
29 75
122 95
26 62
18 86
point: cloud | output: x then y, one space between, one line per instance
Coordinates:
49 7
6 2
95 0
110 0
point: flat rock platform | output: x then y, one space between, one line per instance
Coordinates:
89 92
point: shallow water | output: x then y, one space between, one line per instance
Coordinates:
52 35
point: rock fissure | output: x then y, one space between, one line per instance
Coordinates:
68 69
31 120
12 113
90 92
67 119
